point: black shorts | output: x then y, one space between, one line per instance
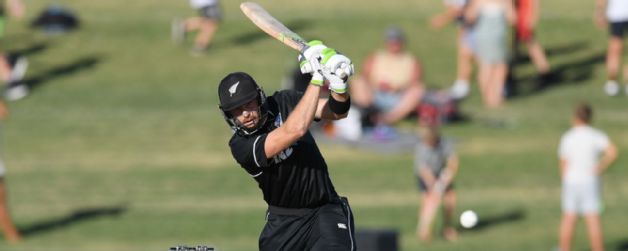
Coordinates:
423 187
212 12
328 227
618 29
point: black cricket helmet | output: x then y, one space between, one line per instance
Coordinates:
238 89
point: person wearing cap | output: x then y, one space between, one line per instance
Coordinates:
390 81
435 167
272 143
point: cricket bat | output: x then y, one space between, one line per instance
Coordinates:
262 19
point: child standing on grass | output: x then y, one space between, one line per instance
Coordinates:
436 164
580 169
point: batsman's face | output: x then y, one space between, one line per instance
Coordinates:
247 115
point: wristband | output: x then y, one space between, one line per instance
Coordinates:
338 107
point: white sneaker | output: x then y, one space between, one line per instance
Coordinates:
611 88
177 31
460 89
19 69
16 92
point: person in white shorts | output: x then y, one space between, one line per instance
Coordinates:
580 168
10 232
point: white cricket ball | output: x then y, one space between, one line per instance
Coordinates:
468 219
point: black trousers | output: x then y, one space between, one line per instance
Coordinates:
328 227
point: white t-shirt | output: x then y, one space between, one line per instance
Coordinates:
202 3
617 10
581 148
456 3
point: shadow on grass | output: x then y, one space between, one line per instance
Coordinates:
622 245
255 35
30 50
72 67
77 216
522 57
488 221
577 71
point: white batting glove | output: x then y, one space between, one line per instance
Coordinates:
313 51
317 72
340 65
336 68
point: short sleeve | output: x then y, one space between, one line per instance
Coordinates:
562 147
249 152
420 156
448 148
456 3
601 141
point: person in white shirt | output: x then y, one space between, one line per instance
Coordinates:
206 24
614 15
581 167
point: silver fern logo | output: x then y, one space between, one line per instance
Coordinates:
233 88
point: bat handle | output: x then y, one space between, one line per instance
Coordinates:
304 48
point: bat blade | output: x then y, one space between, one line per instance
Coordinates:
266 22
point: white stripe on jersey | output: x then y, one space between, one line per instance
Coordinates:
254 156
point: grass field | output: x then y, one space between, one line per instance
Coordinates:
121 145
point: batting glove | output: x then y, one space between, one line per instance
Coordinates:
312 51
336 68
317 72
338 64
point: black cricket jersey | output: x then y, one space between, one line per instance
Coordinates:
295 178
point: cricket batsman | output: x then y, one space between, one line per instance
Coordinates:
271 141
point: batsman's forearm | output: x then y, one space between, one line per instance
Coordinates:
340 97
303 114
